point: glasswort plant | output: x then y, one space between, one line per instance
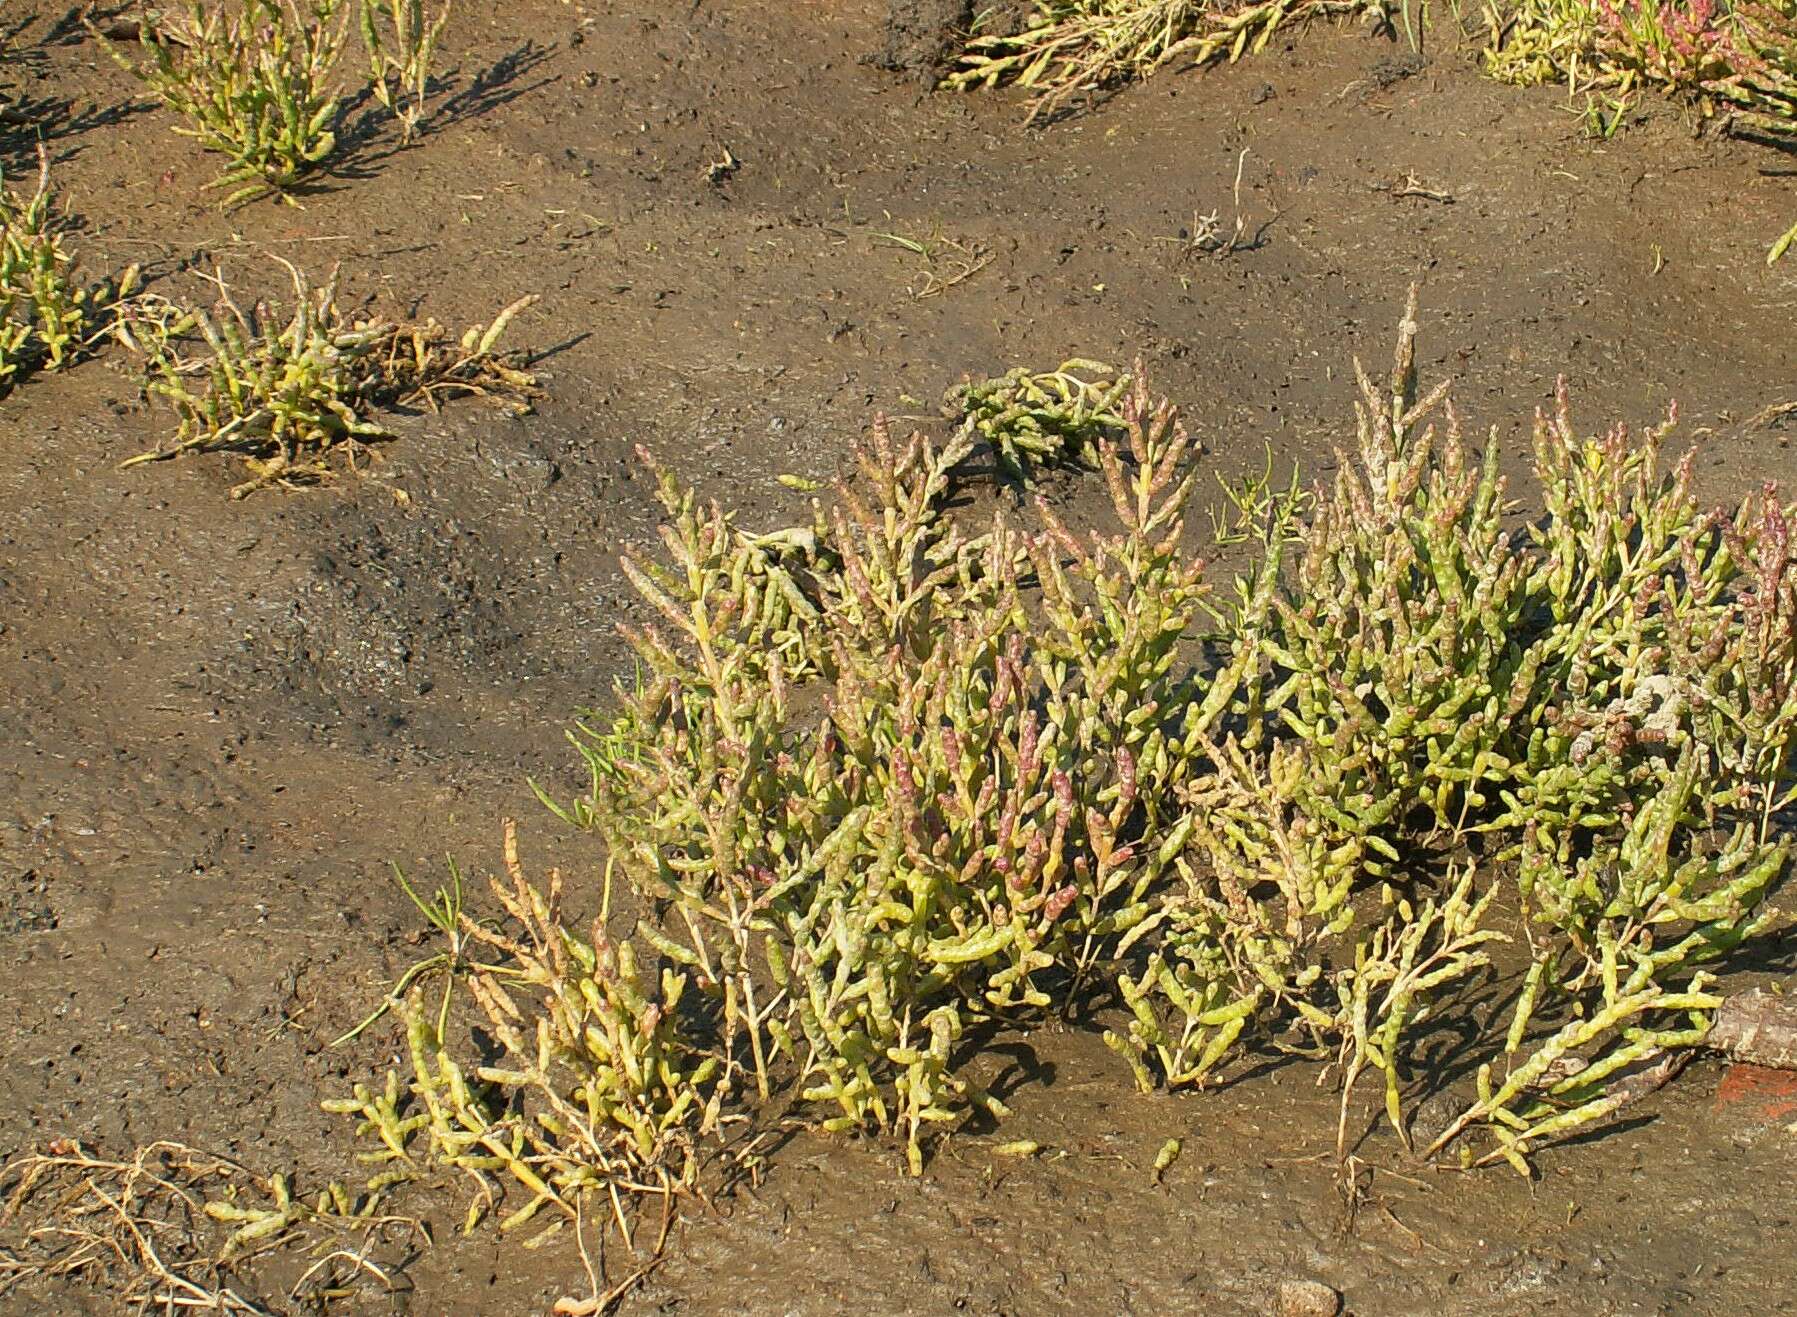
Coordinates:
888 780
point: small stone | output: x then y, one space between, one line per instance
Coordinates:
530 471
1307 1298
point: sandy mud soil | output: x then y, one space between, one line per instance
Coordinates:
221 721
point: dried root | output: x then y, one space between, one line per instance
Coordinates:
174 1229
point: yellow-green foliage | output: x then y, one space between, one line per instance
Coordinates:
41 313
255 85
292 399
596 1083
256 80
1734 55
887 780
1783 245
400 43
1033 420
1606 696
47 318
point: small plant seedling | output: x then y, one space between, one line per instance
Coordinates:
1603 115
291 400
1020 1149
1165 1157
258 84
946 262
42 314
401 42
442 912
255 86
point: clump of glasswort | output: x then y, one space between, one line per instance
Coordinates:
257 83
48 319
885 778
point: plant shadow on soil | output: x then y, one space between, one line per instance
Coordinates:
224 720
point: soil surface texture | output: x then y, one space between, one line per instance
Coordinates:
222 721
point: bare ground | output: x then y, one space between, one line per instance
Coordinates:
222 720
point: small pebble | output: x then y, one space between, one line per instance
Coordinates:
1307 1298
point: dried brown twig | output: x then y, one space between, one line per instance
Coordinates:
959 261
1078 47
1758 1028
1769 416
1412 186
172 1228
